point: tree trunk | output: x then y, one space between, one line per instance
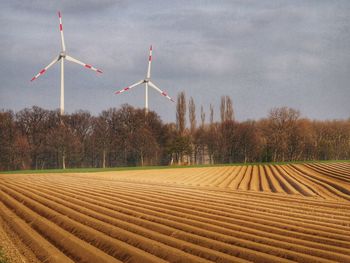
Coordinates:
141 158
104 158
63 160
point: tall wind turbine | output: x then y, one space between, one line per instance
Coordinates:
147 81
61 57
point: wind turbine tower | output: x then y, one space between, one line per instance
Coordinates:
62 56
148 83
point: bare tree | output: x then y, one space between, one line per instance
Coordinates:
202 116
102 136
80 124
36 138
7 139
282 122
144 145
35 124
223 109
181 113
249 142
211 108
193 124
226 109
192 115
229 109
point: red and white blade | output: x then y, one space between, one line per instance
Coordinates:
129 87
45 69
149 63
83 64
61 31
160 91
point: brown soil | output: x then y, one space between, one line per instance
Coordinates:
272 213
12 247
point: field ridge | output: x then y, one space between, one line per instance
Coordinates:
252 213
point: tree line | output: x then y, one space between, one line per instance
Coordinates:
35 138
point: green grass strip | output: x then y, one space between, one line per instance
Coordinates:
133 168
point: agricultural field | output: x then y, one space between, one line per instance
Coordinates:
248 213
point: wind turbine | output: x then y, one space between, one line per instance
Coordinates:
61 57
147 81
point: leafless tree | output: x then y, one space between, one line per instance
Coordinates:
282 122
226 109
35 138
229 116
211 109
181 113
202 116
223 109
192 115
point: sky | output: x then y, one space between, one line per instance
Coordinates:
263 54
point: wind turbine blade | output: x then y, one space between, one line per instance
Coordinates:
61 30
149 63
83 64
129 87
46 68
160 91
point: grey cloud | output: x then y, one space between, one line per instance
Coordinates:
76 6
261 53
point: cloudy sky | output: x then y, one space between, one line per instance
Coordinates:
263 54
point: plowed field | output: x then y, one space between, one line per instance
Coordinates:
256 213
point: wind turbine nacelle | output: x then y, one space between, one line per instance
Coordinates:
62 54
